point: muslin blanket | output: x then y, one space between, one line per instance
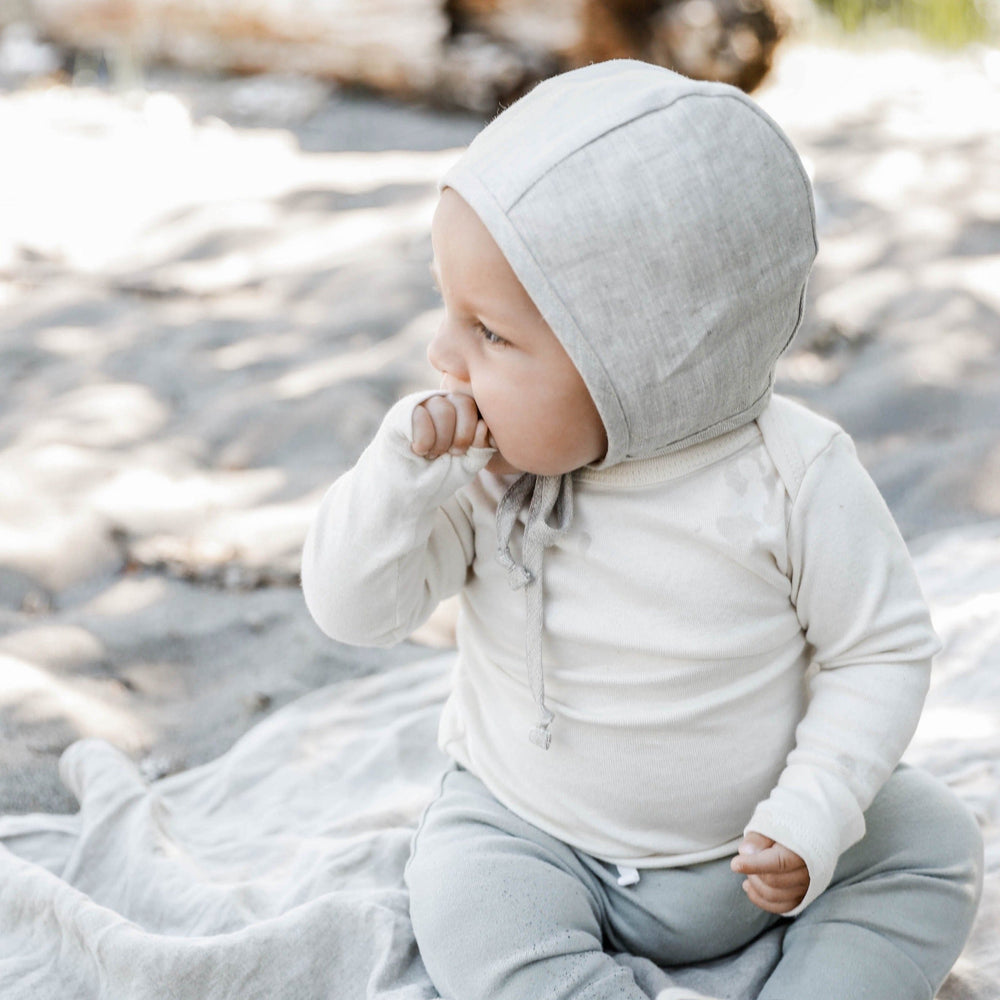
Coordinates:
275 871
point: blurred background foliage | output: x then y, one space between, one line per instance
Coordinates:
949 23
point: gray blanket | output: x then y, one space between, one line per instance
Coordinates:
275 871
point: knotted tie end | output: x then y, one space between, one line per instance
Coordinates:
517 575
540 735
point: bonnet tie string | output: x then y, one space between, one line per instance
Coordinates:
550 511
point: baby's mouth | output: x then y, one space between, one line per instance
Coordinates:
448 384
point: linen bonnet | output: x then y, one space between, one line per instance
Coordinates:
665 229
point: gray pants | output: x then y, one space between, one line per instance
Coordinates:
503 911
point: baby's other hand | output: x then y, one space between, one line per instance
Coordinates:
777 878
447 424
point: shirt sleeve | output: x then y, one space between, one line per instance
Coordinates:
857 596
390 538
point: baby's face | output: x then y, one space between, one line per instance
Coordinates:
494 345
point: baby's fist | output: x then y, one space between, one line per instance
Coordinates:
447 424
777 878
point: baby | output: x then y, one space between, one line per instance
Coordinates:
691 646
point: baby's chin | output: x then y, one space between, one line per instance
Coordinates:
499 466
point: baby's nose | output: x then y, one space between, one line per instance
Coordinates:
443 354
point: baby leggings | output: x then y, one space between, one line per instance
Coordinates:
503 911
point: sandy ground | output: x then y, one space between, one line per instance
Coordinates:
211 290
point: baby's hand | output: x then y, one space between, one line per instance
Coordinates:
447 424
777 878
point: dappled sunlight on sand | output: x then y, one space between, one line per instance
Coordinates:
134 162
254 350
901 337
128 596
202 326
39 696
320 374
986 487
99 416
141 500
315 244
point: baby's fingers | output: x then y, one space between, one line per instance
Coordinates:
785 880
422 432
770 899
445 423
773 860
466 423
432 433
442 411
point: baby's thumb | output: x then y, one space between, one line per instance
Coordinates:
752 843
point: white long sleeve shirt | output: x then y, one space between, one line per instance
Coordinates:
734 637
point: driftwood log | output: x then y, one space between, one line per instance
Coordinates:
473 54
728 40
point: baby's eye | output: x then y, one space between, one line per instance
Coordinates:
490 337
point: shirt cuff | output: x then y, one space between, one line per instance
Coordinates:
818 825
